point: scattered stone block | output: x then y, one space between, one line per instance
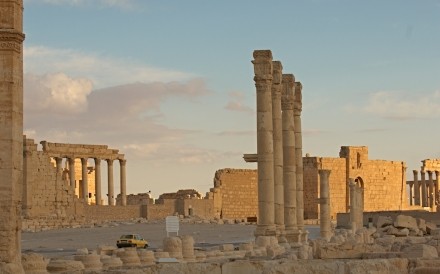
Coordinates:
420 251
404 221
383 221
34 263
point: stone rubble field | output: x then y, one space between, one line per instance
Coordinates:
402 245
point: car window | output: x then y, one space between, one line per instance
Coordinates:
127 237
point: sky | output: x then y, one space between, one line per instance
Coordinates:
170 83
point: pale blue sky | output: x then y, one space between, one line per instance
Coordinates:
170 83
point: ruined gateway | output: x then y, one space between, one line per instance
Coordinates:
409 245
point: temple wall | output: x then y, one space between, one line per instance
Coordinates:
159 211
203 208
238 191
101 213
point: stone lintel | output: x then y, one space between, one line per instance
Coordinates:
250 158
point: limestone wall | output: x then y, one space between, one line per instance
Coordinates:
100 213
159 211
238 191
136 199
203 208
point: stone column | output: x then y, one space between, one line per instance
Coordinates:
411 193
324 204
431 191
72 171
278 150
353 204
59 164
299 160
111 189
436 188
289 166
416 188
123 182
424 192
263 83
85 183
98 191
11 133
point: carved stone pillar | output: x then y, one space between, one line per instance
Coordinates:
72 171
263 83
85 183
11 133
123 182
411 193
431 191
299 160
424 192
98 191
111 188
324 205
416 188
289 166
278 150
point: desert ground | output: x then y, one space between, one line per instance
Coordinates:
65 242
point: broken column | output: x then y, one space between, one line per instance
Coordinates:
297 108
11 133
324 204
278 150
263 83
416 188
289 166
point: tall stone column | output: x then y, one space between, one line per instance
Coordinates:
431 191
411 193
289 166
353 204
416 188
123 182
424 192
85 181
11 133
278 150
111 188
263 83
72 171
324 204
299 160
98 191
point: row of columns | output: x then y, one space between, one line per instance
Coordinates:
424 193
85 190
279 150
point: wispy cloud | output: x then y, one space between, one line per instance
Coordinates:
125 4
236 103
103 71
400 106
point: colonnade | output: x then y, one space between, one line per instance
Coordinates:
279 151
424 192
85 192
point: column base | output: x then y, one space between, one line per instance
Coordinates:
304 236
281 234
293 236
265 230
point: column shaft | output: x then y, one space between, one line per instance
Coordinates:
436 189
85 181
424 191
431 191
123 182
353 204
111 189
98 191
263 83
411 193
324 204
416 188
289 157
59 164
299 160
72 171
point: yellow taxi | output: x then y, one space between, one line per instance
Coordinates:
131 240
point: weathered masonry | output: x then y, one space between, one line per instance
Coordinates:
424 192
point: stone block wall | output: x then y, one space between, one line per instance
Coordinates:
166 208
136 199
238 191
203 208
101 213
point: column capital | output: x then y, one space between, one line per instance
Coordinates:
436 173
277 72
97 161
287 93
422 172
415 171
109 161
351 182
262 65
122 162
84 161
429 172
324 172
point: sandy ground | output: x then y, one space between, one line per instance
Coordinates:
65 242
